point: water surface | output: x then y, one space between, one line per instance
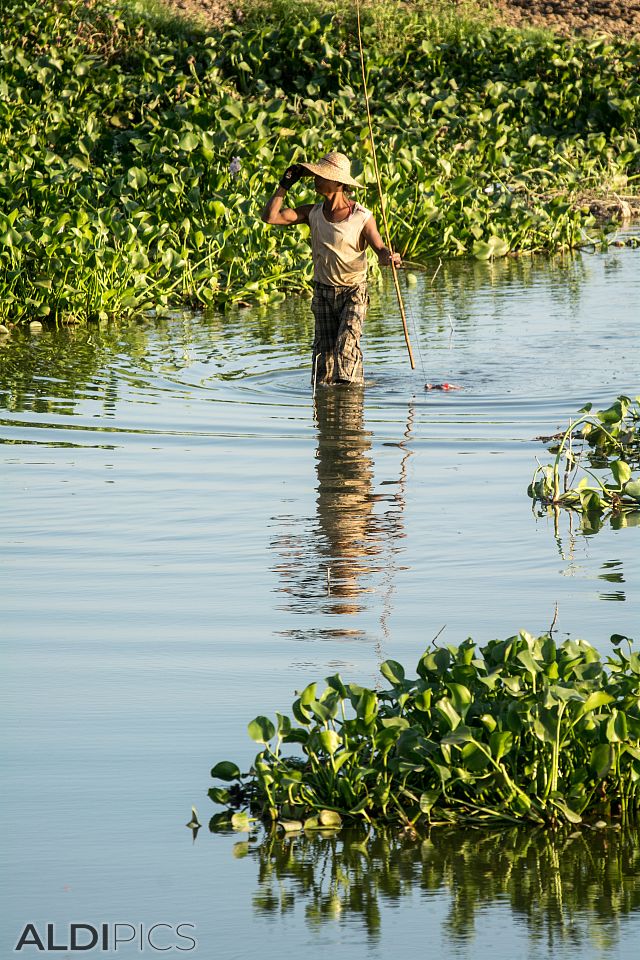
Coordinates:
190 536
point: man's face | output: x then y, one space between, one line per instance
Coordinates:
326 187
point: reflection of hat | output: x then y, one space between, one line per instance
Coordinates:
334 166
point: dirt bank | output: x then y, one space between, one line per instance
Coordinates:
613 17
616 17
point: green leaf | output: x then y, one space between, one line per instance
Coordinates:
460 697
621 471
428 800
330 818
225 770
500 743
422 701
601 760
599 698
543 727
188 142
632 489
261 730
308 695
330 740
475 757
335 682
488 249
396 723
446 709
137 178
320 711
367 706
301 713
568 813
488 722
296 735
528 662
10 238
461 734
284 725
612 414
461 186
617 727
219 795
392 671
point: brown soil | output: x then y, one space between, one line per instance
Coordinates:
612 17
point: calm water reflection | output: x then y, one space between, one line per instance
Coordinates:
356 530
572 891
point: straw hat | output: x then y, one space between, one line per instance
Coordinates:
333 166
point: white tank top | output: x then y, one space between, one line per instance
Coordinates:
337 259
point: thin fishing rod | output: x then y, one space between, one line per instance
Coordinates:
387 236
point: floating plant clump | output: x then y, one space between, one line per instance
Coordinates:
608 440
521 730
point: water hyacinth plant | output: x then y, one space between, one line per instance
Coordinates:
608 440
522 730
136 154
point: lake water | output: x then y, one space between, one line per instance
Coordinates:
189 537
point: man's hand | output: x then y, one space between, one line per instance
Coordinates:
291 175
386 258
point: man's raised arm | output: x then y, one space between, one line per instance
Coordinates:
274 213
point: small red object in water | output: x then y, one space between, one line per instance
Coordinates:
441 386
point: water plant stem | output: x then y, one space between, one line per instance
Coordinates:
387 236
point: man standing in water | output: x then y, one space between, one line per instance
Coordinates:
341 231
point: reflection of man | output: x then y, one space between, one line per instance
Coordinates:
329 564
345 496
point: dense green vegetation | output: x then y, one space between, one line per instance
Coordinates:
521 730
607 440
119 183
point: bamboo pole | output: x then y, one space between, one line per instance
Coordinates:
387 236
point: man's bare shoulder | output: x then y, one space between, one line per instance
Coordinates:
303 212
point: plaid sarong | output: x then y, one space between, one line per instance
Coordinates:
339 313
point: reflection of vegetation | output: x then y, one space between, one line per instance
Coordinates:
611 441
521 730
567 888
54 370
